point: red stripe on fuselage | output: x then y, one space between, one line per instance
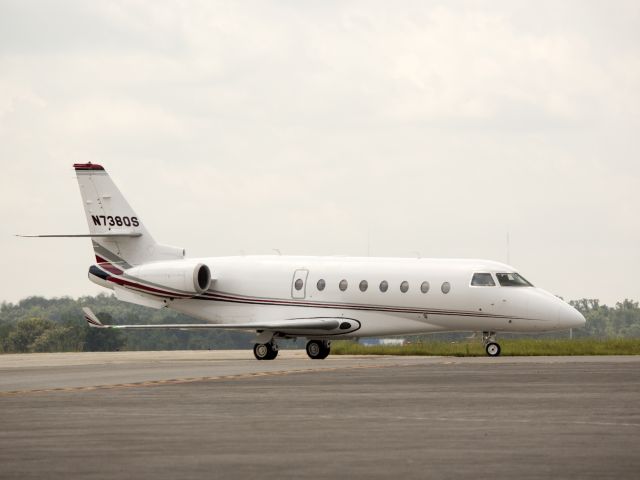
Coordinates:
379 308
154 291
215 296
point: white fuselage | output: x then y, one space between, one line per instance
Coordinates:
264 288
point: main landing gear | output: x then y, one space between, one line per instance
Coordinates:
265 351
490 345
318 349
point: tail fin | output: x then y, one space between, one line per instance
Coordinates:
109 213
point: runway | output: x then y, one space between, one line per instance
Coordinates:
224 415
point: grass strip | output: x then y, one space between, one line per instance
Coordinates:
511 347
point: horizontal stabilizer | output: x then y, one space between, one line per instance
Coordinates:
85 235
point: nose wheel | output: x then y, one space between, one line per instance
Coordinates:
265 351
492 349
490 345
318 349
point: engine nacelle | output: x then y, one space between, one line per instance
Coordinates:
188 276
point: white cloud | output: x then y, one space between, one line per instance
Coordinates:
431 127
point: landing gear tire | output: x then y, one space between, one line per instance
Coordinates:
318 349
492 349
265 351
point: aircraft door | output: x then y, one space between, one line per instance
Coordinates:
299 283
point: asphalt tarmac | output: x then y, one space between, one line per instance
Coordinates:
168 415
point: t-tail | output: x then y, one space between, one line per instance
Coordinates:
128 259
120 239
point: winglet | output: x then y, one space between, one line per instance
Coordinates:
91 318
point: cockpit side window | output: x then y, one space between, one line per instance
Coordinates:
512 280
482 280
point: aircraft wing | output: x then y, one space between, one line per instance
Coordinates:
294 326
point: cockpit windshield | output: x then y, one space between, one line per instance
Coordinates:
512 280
482 280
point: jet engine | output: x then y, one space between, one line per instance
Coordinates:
184 275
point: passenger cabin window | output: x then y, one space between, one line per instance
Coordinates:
482 280
321 284
424 288
446 287
343 285
512 280
363 286
384 286
404 286
299 283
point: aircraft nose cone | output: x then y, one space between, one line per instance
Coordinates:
569 317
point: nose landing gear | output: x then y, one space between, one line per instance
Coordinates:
490 345
318 349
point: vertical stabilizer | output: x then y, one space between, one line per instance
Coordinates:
108 213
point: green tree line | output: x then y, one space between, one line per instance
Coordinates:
37 324
620 321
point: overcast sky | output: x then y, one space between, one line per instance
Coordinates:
391 128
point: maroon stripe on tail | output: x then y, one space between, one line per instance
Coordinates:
87 166
108 266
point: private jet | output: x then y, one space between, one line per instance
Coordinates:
316 298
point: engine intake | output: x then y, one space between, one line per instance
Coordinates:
202 277
186 276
